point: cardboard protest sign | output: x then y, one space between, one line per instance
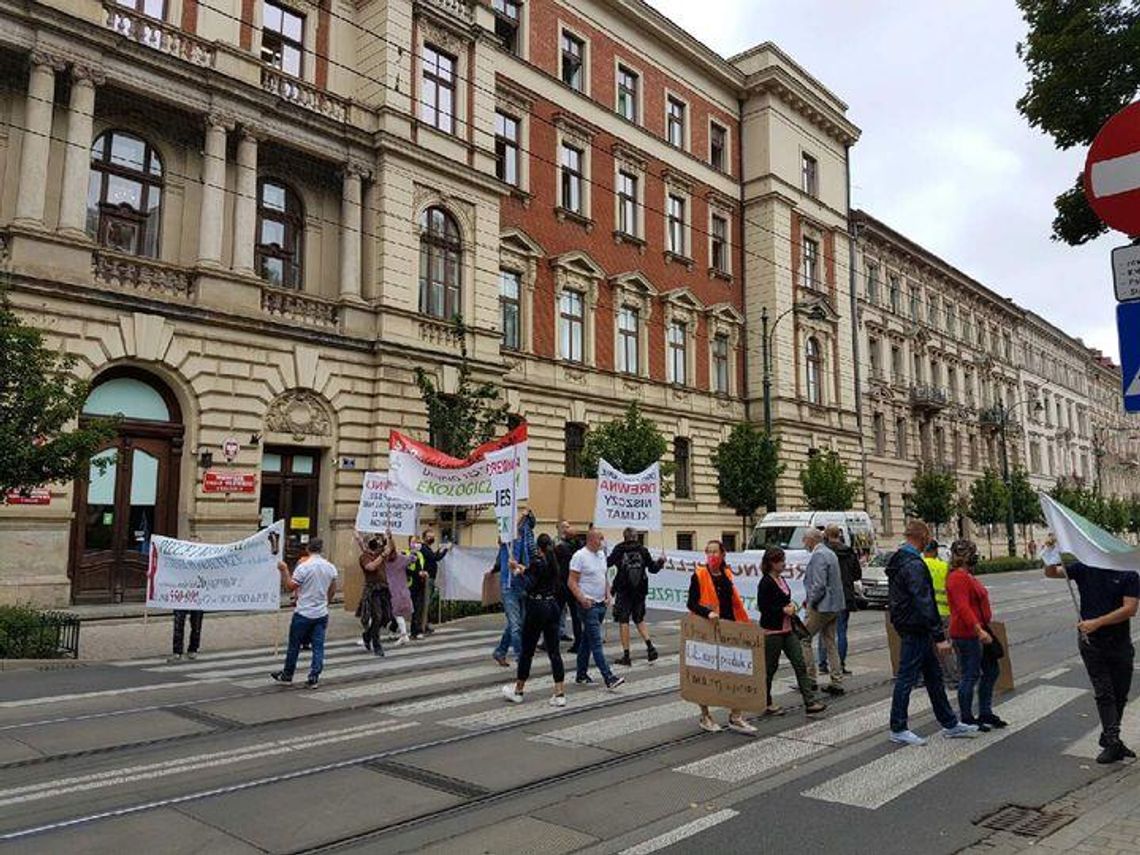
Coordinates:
628 500
381 510
240 576
1005 676
722 664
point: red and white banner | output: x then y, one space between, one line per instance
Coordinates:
427 476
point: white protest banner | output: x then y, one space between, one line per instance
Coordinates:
238 577
1091 544
628 500
427 476
461 572
379 510
503 468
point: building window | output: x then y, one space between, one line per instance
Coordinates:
685 540
572 308
814 361
627 93
952 383
809 175
885 512
280 228
627 203
437 101
896 364
507 148
628 340
282 38
951 326
718 147
900 439
682 474
575 441
572 179
507 23
880 434
893 292
718 245
440 264
510 293
874 353
676 225
124 194
872 283
933 314
728 540
675 122
810 263
915 314
677 353
573 66
720 364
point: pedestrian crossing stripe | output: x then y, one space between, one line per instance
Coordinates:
1088 746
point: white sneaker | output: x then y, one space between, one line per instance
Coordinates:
708 724
174 658
401 641
906 737
511 695
558 700
191 656
960 731
740 726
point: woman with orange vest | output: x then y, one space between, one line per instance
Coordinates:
712 595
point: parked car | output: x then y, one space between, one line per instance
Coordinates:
874 583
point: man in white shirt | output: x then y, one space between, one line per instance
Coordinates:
315 581
590 586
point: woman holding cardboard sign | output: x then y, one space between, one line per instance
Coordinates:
779 621
712 595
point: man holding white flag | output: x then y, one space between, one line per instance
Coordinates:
1109 589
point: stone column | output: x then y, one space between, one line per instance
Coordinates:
35 145
77 158
212 214
350 219
245 205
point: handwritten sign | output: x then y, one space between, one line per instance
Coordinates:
722 663
628 500
240 576
380 509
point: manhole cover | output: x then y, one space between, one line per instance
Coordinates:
1026 822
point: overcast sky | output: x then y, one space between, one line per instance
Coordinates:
945 157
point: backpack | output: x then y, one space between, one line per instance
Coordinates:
633 563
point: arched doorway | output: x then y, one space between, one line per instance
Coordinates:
136 493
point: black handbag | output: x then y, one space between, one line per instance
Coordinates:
799 628
993 651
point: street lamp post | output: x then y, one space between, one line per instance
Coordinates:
1003 422
815 312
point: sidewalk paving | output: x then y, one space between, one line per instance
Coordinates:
1107 821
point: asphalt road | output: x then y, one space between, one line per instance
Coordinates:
418 752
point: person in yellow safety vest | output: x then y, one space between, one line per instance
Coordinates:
939 570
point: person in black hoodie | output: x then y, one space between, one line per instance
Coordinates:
915 618
569 542
849 570
541 618
630 588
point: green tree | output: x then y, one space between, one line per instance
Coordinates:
826 483
1026 505
988 501
933 495
1134 515
630 444
1116 515
461 421
747 466
1083 58
39 399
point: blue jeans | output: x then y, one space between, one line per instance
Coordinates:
917 655
841 635
312 630
514 605
976 671
591 643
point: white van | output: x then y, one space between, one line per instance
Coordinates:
786 529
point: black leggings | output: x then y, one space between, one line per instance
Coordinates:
543 618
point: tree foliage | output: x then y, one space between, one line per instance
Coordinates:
461 421
630 443
39 398
988 499
933 495
1083 58
747 466
1026 505
826 483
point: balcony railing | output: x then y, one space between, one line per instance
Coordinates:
991 418
158 35
296 91
928 398
141 274
299 307
439 333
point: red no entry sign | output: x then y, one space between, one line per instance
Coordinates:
1112 171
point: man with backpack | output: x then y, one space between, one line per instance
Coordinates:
630 588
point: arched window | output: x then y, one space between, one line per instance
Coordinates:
124 196
814 370
280 233
441 253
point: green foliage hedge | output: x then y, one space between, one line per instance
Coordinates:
1007 564
26 634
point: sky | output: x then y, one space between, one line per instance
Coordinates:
944 157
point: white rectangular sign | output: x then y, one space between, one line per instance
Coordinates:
424 475
628 500
1126 272
381 510
504 468
209 577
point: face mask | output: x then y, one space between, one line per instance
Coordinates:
715 561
